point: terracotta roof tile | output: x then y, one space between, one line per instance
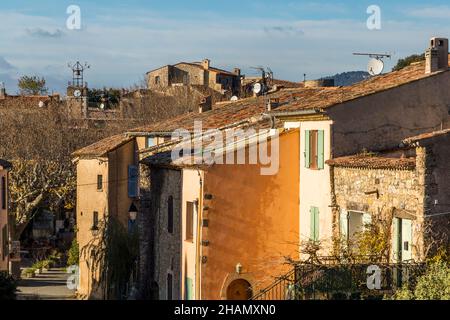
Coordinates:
427 135
373 162
102 147
325 97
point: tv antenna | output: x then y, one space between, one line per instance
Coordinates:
78 73
266 78
376 64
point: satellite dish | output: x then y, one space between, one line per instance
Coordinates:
375 67
77 93
41 104
257 88
234 98
102 106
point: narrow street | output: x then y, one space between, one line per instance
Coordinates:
51 285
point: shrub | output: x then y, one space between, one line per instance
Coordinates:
8 286
73 254
433 285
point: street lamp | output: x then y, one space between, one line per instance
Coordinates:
132 212
132 215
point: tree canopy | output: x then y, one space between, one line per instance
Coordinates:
32 85
404 62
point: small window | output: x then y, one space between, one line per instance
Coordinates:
99 182
157 80
314 149
3 193
169 286
189 221
95 220
150 142
170 214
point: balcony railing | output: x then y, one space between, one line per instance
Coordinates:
331 280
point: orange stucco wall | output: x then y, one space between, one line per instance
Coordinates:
253 220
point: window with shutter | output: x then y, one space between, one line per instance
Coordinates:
314 149
99 182
132 181
189 221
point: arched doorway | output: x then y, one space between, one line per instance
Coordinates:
239 289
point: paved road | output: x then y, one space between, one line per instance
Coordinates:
51 285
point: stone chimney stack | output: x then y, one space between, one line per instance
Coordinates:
436 56
205 104
206 63
2 91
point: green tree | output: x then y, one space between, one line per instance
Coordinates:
402 63
32 85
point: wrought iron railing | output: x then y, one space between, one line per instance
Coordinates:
340 281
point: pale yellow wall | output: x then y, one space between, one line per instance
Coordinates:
190 192
112 200
89 199
315 187
3 222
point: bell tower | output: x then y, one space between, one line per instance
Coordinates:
77 90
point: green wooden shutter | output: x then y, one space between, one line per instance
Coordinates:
395 239
189 289
307 146
320 151
314 223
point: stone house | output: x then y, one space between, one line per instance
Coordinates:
406 188
4 232
195 74
373 115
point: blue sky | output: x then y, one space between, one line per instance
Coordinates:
124 39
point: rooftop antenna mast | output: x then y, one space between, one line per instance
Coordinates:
78 74
376 64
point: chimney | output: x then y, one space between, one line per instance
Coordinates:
206 63
272 103
436 56
237 71
2 91
205 104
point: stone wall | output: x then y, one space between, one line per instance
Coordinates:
385 192
160 250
